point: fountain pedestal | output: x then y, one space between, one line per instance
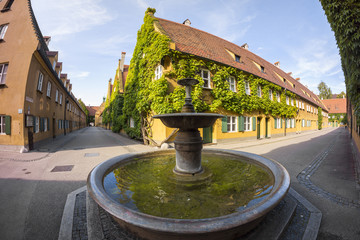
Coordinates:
188 145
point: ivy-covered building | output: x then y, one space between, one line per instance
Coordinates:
258 99
337 111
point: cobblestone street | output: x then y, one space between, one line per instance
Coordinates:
35 185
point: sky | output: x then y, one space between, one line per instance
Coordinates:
91 34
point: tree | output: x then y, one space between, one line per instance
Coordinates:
341 95
83 106
324 90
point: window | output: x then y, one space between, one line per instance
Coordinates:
5 125
3 72
60 101
297 103
292 123
247 88
40 81
278 123
288 123
57 95
303 107
231 124
231 81
205 74
3 29
7 6
247 123
270 95
303 123
132 123
54 64
278 96
287 100
36 130
48 92
237 58
259 91
262 69
158 72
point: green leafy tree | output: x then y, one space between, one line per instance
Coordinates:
343 16
83 106
324 90
341 95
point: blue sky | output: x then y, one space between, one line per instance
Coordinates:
91 34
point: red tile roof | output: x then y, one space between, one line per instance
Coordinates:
51 53
205 45
92 110
337 105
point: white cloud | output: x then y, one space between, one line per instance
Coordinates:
69 17
111 46
79 74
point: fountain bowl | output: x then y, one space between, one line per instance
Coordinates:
228 226
188 120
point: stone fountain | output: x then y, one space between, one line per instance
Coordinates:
188 193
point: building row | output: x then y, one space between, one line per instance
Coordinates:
36 98
257 98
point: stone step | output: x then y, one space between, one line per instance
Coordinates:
275 223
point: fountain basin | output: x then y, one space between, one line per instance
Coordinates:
223 227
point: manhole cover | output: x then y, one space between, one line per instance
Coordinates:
92 154
65 168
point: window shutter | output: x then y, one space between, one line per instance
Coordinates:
295 123
275 123
286 126
224 124
34 122
254 123
48 124
41 124
7 125
280 122
241 123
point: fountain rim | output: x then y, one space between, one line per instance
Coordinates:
195 114
188 226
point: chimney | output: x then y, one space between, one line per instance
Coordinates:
122 60
245 46
297 79
277 64
187 22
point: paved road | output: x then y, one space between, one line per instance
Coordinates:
32 197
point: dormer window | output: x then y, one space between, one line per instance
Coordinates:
237 58
231 81
205 75
7 6
262 69
158 72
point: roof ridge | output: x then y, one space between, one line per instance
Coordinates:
36 27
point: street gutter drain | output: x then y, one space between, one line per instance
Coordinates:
92 154
65 168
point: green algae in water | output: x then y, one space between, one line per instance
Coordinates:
147 185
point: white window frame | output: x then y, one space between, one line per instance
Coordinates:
232 85
278 123
278 97
40 81
288 123
287 100
303 107
3 29
3 72
259 91
48 89
206 80
61 96
158 72
132 122
247 124
2 125
57 95
232 124
247 87
270 94
37 123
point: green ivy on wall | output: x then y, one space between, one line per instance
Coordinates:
145 96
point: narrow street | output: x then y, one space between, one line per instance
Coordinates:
34 186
